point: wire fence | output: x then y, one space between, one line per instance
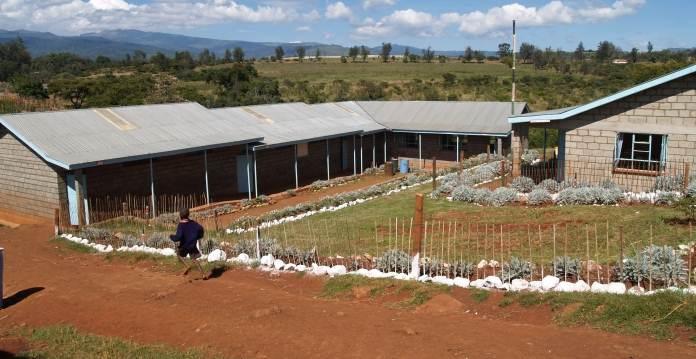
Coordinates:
632 176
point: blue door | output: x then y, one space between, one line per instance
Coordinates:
242 175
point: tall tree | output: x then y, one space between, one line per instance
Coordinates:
386 50
317 55
579 53
238 54
139 57
428 55
538 59
353 52
279 53
160 60
14 58
634 55
407 54
650 47
204 57
504 50
301 51
364 53
228 56
468 54
605 51
526 52
183 60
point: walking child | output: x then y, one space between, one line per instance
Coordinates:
188 233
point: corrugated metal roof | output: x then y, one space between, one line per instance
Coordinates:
83 138
290 123
564 113
455 117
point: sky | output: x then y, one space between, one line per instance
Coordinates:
443 24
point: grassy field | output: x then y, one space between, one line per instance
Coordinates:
372 228
329 70
66 342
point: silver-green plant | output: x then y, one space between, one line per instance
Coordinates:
462 269
502 196
529 156
538 197
207 245
550 185
566 267
516 268
669 183
94 234
523 184
159 240
662 264
246 246
394 260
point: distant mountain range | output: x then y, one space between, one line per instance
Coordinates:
117 43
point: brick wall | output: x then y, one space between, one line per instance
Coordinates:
28 184
669 109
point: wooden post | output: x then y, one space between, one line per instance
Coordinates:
80 189
621 253
124 205
418 225
434 173
687 170
502 171
56 222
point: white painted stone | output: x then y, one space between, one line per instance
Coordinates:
549 282
217 255
424 278
482 264
582 286
518 285
636 290
479 283
301 268
169 252
440 279
278 264
598 287
564 287
535 285
267 260
492 282
616 288
289 267
337 270
461 282
243 258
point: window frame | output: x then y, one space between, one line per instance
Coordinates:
407 140
302 149
446 145
653 165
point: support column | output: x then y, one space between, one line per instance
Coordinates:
256 178
418 229
458 154
420 152
328 162
207 188
355 166
499 147
385 146
248 170
518 141
297 178
152 191
361 155
374 151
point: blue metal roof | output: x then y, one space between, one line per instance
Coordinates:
564 113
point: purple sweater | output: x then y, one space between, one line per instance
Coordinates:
188 232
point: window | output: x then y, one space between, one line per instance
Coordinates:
302 149
407 140
640 152
448 142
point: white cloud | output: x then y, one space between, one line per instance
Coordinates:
618 8
338 10
374 3
491 21
110 4
74 16
312 15
303 28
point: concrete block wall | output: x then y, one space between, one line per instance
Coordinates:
668 109
28 185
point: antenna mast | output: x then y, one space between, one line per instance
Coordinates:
514 47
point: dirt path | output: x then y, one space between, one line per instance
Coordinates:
303 197
249 314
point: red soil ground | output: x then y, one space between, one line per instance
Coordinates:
250 314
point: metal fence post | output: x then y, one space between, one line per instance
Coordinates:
258 245
417 237
434 173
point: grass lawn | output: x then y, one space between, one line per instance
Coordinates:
329 70
67 342
371 228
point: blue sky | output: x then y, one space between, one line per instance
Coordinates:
443 24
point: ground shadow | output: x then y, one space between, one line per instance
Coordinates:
20 296
217 272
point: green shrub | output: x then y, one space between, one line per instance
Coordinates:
517 268
550 185
159 240
394 260
662 263
502 196
566 267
